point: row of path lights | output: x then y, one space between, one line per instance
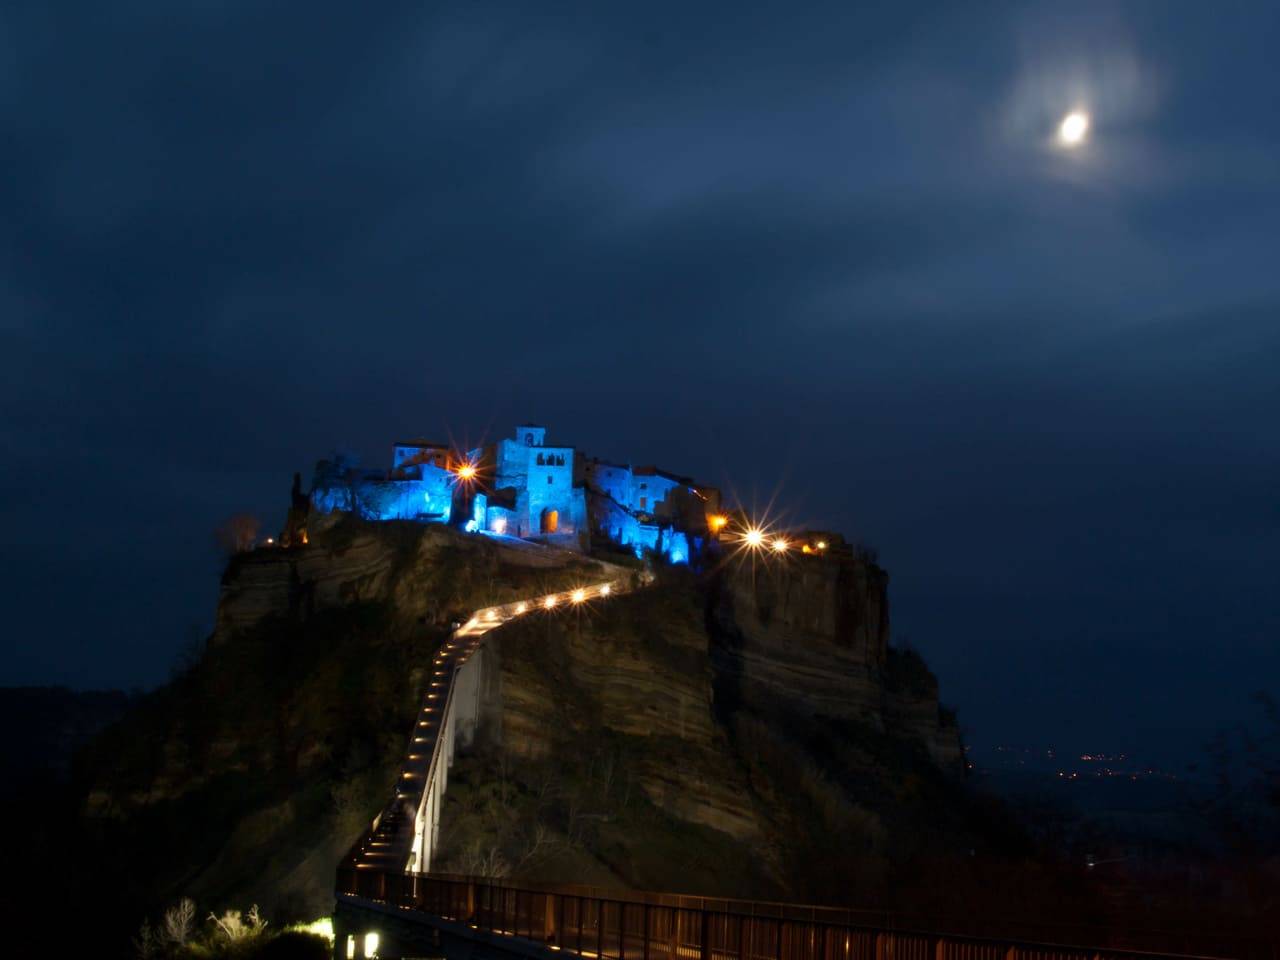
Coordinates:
422 748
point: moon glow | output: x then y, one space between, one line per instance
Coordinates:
1074 128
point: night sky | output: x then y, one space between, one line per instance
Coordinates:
830 258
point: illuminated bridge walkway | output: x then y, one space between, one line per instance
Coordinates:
404 835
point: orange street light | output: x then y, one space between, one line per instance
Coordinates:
718 522
466 471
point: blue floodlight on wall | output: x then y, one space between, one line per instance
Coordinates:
478 506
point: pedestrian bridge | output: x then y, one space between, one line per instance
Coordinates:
463 918
389 904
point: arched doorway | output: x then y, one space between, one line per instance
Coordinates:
550 520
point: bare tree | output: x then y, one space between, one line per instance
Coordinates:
480 861
539 842
147 943
236 926
179 921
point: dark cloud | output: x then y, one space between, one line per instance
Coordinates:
827 257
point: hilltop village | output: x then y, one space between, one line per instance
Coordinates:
524 487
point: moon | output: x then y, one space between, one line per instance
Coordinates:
1074 128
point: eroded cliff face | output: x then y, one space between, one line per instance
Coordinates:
746 717
813 638
636 671
426 573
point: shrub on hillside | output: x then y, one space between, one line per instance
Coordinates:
234 934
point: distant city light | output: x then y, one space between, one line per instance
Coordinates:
578 595
521 607
491 615
780 546
718 522
467 471
606 590
754 537
549 602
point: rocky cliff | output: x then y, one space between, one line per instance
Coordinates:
734 718
246 777
727 732
813 637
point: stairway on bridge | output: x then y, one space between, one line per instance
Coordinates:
404 835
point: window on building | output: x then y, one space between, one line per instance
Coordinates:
550 479
644 486
528 439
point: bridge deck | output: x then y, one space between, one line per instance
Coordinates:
531 921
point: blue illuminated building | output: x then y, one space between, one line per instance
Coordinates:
522 486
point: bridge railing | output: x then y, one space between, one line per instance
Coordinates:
690 928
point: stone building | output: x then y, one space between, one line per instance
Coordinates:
521 486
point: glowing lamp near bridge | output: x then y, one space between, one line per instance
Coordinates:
578 595
780 545
549 602
717 523
606 590
521 607
754 538
822 544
